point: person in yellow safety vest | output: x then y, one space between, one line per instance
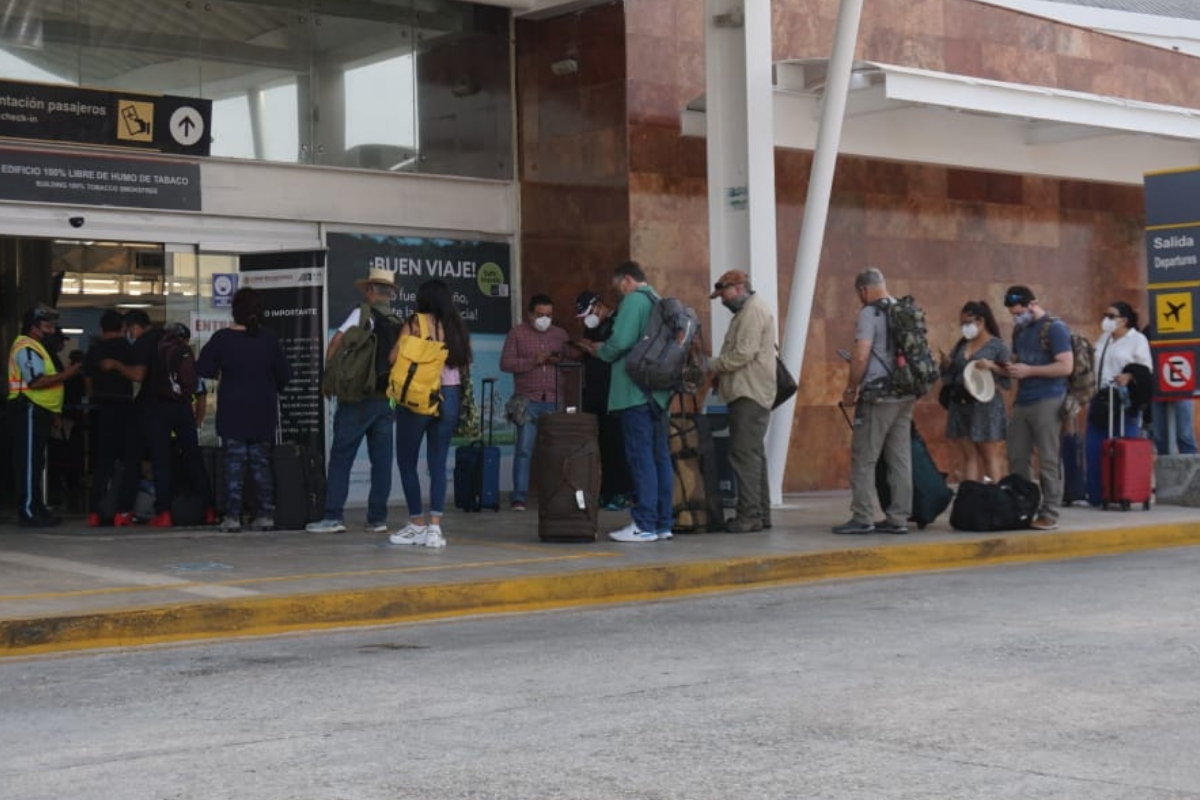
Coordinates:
35 395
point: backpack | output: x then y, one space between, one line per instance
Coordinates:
915 369
359 368
415 382
1081 383
669 353
175 369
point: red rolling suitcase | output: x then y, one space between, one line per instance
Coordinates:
1126 465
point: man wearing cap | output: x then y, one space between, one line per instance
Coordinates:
744 374
371 418
530 352
598 320
882 421
1042 360
35 395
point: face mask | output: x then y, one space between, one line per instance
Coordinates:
1024 318
970 330
591 321
542 324
129 337
1108 325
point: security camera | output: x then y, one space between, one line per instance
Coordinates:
76 222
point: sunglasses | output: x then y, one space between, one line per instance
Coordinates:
1016 300
1112 316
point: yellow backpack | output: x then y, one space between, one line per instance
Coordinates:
415 381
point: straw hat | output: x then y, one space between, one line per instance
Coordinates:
979 382
380 275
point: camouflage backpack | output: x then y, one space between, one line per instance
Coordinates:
915 369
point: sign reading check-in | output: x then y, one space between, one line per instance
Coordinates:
75 115
1173 266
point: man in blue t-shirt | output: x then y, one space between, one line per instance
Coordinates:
1042 360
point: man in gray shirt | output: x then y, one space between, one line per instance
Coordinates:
882 420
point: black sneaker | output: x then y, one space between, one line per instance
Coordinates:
41 521
854 527
887 526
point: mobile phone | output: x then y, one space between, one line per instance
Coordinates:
845 354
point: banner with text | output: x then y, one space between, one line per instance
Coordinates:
44 177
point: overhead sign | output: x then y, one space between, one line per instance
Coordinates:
75 115
1173 277
100 180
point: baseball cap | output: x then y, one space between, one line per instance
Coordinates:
584 303
730 278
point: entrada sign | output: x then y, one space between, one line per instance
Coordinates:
75 115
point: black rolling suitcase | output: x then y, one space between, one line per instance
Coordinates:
299 486
567 458
477 465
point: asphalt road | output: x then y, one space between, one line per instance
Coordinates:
1049 680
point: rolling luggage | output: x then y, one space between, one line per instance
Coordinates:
477 465
1126 465
1074 466
698 505
1010 505
299 486
567 460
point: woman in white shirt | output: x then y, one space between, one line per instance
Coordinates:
1120 345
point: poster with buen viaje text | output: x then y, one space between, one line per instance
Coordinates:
479 276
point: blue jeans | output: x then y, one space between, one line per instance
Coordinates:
1092 452
523 456
352 422
649 458
436 431
1185 437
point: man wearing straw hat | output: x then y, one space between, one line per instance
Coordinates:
368 418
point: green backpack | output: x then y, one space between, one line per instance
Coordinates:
915 369
350 374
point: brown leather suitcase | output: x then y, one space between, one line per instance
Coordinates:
567 460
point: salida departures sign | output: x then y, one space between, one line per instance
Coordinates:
76 115
1173 282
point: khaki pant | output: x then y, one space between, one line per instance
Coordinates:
1037 426
748 457
882 429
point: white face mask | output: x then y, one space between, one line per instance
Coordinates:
1108 325
970 330
1024 318
591 321
542 324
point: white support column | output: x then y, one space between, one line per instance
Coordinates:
812 231
741 149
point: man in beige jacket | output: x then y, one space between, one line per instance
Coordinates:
744 374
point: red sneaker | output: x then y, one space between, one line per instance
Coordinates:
123 519
94 520
162 520
210 516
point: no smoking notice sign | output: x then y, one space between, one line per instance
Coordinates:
1177 372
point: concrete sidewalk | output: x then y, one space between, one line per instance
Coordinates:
73 587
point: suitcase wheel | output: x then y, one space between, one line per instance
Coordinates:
1146 506
1124 505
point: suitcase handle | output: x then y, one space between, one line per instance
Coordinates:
487 397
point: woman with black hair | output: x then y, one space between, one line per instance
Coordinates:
980 428
436 310
251 370
1124 371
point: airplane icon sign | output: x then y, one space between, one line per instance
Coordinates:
1174 312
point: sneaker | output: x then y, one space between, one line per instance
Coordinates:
1044 523
631 533
210 516
854 527
887 526
94 520
40 521
123 519
162 520
411 534
664 536
517 505
326 526
434 538
743 525
231 524
263 523
375 527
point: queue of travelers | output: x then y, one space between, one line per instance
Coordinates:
993 437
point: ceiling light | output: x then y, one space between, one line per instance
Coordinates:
135 305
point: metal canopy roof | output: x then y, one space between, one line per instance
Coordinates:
905 114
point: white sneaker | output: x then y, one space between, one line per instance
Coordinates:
375 527
665 535
631 533
409 534
434 538
326 526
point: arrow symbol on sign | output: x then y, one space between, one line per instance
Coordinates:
187 123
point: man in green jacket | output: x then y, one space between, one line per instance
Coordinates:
745 376
643 414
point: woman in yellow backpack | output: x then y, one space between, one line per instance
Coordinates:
429 363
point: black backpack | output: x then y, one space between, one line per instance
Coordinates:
175 369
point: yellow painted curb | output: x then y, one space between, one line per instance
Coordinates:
261 616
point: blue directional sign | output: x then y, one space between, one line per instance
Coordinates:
224 285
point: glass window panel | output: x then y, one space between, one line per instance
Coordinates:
231 133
